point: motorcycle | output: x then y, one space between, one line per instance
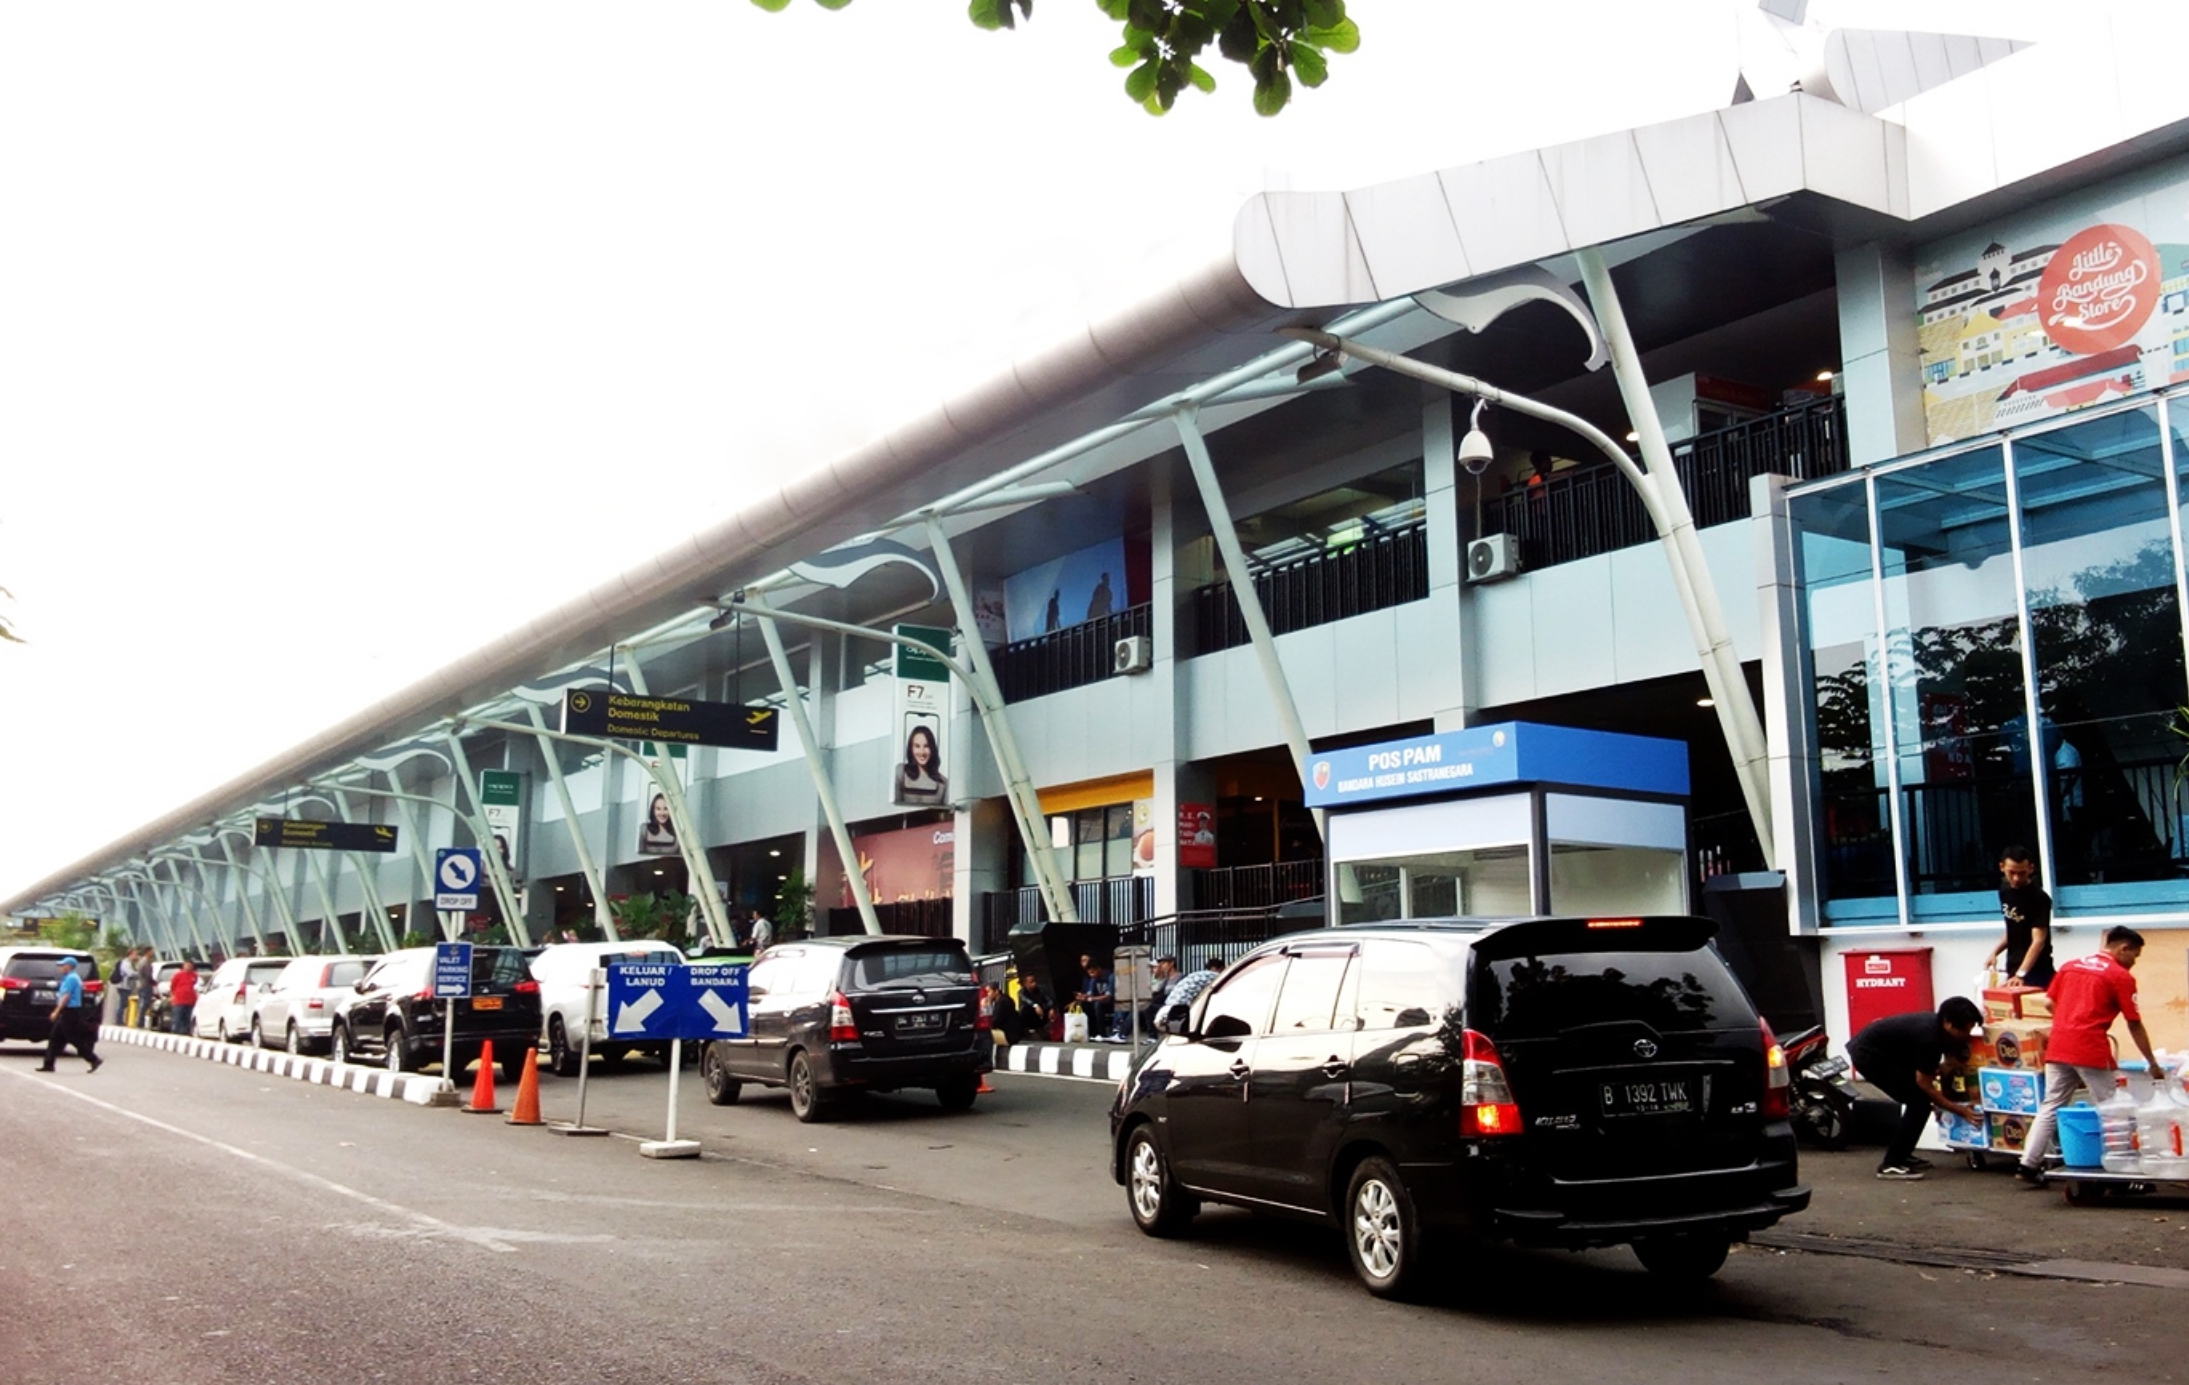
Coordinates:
1824 1096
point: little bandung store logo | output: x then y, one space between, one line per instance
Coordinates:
2099 289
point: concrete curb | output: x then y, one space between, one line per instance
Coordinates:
415 1088
1095 1062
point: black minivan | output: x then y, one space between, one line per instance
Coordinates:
1549 1081
829 1016
392 1014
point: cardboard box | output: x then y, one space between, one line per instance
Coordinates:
2011 1091
2037 1005
2010 1002
1963 1134
2018 1044
2005 1133
1982 1054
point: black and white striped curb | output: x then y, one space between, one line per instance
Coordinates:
1101 1063
414 1088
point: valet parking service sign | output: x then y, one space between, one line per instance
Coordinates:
2082 301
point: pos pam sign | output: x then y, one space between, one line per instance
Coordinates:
668 1000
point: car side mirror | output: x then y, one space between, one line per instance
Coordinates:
1228 1027
1171 1022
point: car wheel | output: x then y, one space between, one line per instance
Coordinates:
340 1040
1159 1206
295 1042
258 1035
397 1059
1382 1235
714 1070
957 1094
1687 1258
806 1101
562 1060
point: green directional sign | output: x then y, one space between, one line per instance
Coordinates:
670 720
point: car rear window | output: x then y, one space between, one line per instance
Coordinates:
346 973
264 973
914 964
499 966
48 968
1543 995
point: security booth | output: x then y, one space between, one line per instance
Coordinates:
1511 819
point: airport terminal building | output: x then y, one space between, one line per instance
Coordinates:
1081 641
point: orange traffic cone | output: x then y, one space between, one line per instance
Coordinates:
527 1109
984 1089
482 1091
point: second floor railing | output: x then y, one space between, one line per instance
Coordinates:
1114 899
1591 510
1257 887
1383 569
1069 658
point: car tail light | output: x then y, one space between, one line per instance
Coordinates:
426 994
94 987
1486 1105
13 983
315 1003
525 988
842 1029
1778 1087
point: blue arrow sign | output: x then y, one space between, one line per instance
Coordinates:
666 1000
451 969
456 871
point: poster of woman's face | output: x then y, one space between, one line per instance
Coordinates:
920 780
657 835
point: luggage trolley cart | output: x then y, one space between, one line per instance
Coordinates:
2090 1187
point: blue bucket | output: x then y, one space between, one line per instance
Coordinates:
2082 1139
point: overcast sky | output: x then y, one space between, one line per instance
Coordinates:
337 338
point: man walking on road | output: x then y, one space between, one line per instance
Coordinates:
1900 1055
74 1024
2087 995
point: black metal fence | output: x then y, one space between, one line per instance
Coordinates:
1256 887
1069 658
1119 899
923 918
1385 569
1594 509
1196 936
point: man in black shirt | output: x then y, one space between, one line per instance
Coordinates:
1900 1055
2027 909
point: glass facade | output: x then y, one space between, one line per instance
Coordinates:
1993 653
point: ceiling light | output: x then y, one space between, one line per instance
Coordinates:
1634 437
1706 702
558 889
782 877
1824 377
775 851
661 872
722 620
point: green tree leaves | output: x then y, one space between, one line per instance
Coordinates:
1161 42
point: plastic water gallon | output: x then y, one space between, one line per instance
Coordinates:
2159 1135
2117 1123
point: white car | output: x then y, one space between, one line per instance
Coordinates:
224 1002
297 1011
565 972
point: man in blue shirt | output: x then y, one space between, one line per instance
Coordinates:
75 1025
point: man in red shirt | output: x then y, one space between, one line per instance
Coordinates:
182 998
2087 994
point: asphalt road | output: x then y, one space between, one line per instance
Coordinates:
173 1221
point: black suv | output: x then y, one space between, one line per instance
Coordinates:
30 981
1554 1082
829 1015
393 1016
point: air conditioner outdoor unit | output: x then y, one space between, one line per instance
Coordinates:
1134 654
1493 558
